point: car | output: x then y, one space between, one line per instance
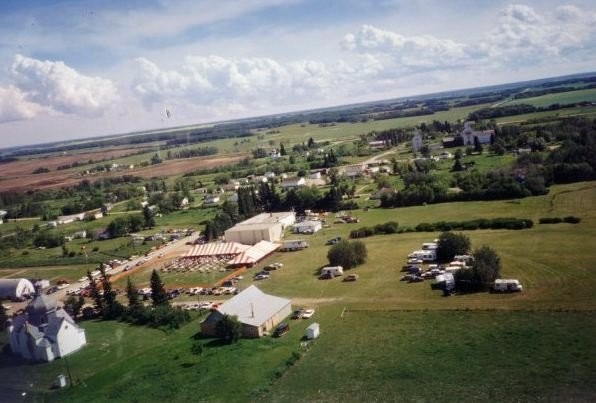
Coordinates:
326 276
297 314
270 267
333 241
351 277
281 329
415 279
261 276
308 313
414 260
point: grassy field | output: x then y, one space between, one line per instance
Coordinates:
586 95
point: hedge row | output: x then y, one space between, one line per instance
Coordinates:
556 220
391 227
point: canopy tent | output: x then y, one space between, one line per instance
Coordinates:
254 254
217 249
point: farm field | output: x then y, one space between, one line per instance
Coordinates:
585 95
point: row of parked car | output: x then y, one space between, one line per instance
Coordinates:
266 272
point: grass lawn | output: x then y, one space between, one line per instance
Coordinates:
455 356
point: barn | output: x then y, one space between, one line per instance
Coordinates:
258 312
15 288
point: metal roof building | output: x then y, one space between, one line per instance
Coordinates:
258 312
15 288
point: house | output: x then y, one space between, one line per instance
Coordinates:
377 145
290 183
274 154
183 202
315 175
15 288
383 191
80 234
67 219
468 134
211 200
3 213
44 331
308 227
354 170
258 312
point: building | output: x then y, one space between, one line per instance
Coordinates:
290 183
416 142
262 227
377 144
467 135
308 227
3 214
44 331
211 200
15 288
258 312
354 170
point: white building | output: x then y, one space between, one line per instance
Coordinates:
290 183
3 213
44 332
15 288
211 200
258 312
262 227
308 227
468 134
354 170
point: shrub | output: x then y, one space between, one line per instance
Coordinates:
362 232
550 220
572 219
386 228
347 254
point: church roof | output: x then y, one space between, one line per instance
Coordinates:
39 307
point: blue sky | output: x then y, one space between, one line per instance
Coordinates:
73 69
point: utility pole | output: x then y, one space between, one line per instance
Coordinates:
68 371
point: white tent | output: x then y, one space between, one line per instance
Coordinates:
16 288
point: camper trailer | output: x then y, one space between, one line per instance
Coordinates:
429 255
507 285
444 282
332 271
296 244
429 246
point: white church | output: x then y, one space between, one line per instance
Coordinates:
44 331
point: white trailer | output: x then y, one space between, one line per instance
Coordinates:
312 332
507 285
295 244
430 245
332 270
429 255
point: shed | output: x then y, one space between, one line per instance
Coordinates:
258 312
15 288
308 227
312 332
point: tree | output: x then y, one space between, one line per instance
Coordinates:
158 292
131 294
74 305
457 166
3 316
228 329
148 219
282 149
487 267
451 244
347 254
95 292
477 145
155 159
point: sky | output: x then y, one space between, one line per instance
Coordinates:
73 69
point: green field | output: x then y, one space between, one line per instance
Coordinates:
562 98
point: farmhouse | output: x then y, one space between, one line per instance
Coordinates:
354 170
44 331
308 227
15 288
258 312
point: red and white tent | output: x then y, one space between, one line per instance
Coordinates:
216 249
254 254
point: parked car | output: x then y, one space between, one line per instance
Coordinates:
333 241
281 329
415 279
308 313
261 276
297 314
351 277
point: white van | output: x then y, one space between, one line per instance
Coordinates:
507 285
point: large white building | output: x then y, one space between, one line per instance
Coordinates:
44 331
467 135
258 312
263 227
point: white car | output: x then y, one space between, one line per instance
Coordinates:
308 313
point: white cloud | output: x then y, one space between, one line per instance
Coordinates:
407 51
14 106
207 80
61 88
524 37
